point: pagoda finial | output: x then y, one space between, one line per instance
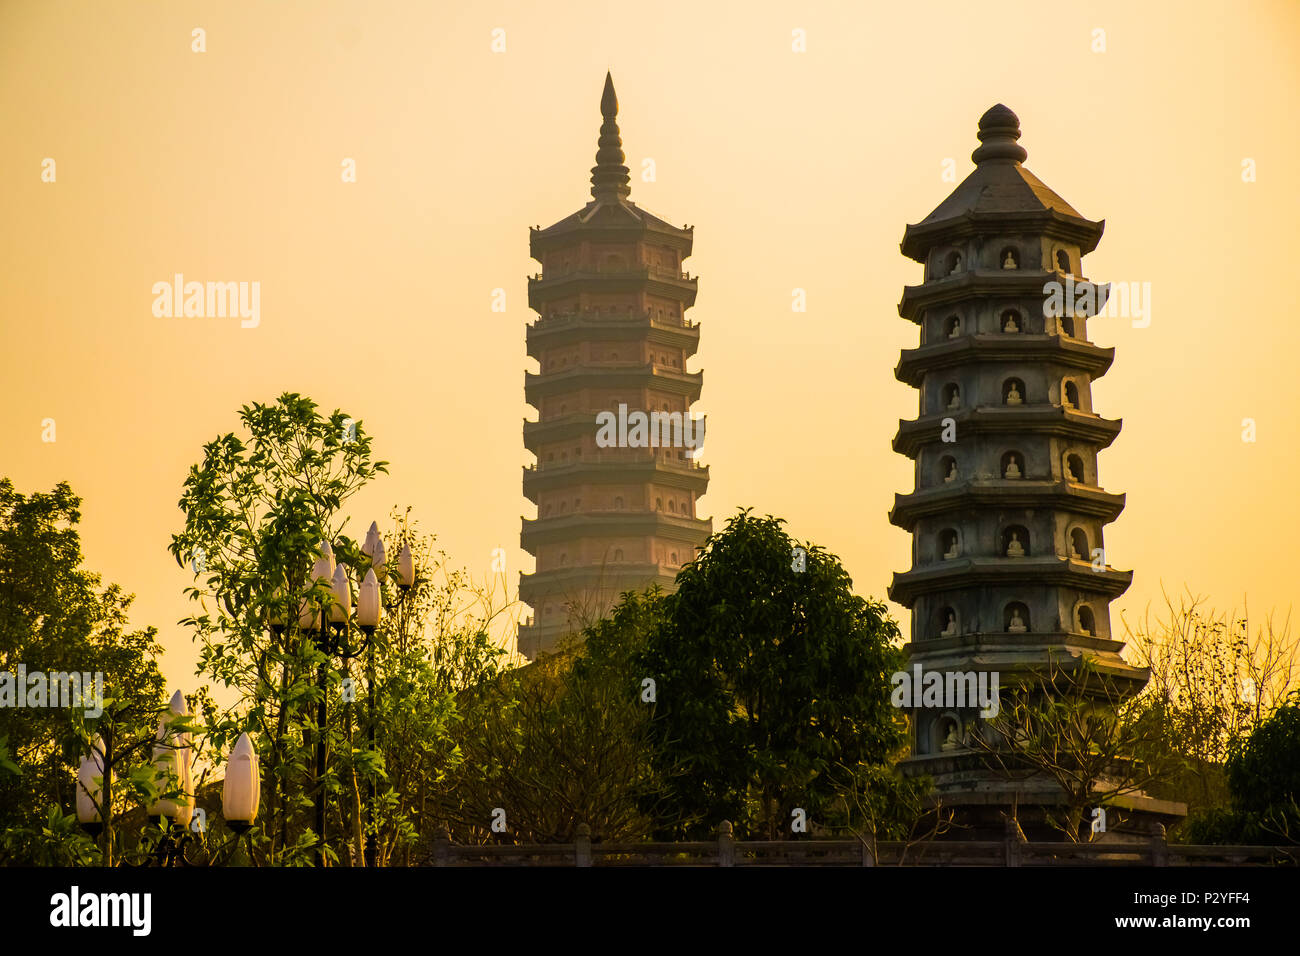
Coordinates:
999 130
609 177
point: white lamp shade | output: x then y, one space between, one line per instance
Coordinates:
341 609
405 572
90 774
308 615
369 609
324 565
241 793
374 548
172 773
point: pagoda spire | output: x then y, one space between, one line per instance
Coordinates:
998 132
609 177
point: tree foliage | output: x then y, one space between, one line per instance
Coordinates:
770 672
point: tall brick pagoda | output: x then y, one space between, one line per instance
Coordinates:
1008 569
611 330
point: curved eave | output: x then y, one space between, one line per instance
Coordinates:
552 477
541 291
1047 571
614 578
920 238
544 384
1015 655
552 332
607 221
914 364
594 525
1052 420
1005 493
984 284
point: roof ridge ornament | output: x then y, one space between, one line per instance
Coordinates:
999 129
609 177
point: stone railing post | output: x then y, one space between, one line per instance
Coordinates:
1159 846
1013 840
869 848
582 846
442 848
726 844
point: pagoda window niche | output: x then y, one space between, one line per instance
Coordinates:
1086 620
1063 261
618 554
948 626
1013 392
1079 544
953 263
1012 322
1067 326
952 326
1015 619
1071 395
618 504
946 733
1011 465
951 397
613 262
659 504
672 559
948 468
1009 258
949 544
1015 541
1074 469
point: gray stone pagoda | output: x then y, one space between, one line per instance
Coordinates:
1008 514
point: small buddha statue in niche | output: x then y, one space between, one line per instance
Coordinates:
1010 324
955 330
955 402
1015 549
956 265
1065 399
951 742
950 630
1084 630
1013 396
1013 470
952 473
1010 261
1017 625
952 550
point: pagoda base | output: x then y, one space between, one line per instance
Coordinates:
983 801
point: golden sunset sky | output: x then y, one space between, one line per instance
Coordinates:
798 170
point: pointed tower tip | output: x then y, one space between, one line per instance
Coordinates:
609 99
609 177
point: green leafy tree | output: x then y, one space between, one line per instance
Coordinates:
562 742
256 509
56 617
770 673
1263 773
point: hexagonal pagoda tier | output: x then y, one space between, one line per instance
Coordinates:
1009 570
611 331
